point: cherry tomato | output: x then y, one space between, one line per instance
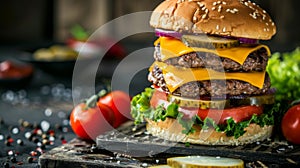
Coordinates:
89 122
119 102
290 124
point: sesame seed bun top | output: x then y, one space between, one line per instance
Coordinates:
236 18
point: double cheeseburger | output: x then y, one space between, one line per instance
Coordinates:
209 79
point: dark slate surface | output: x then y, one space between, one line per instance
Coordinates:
135 141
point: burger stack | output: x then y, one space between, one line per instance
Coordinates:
210 84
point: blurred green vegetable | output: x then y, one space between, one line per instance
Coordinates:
79 33
284 71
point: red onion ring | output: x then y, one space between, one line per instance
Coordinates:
248 41
243 40
167 33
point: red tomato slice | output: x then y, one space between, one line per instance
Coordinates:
219 116
157 98
238 114
88 123
119 102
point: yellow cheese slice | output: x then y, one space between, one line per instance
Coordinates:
175 77
172 47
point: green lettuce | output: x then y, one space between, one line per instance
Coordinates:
284 72
141 109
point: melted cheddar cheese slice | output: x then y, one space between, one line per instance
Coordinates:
175 77
171 47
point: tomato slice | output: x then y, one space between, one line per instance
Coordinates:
158 98
238 114
220 116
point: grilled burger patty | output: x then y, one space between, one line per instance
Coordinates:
209 88
256 61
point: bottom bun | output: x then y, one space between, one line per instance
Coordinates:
171 130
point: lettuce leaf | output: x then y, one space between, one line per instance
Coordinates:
284 72
140 109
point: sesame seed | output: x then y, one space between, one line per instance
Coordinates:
219 9
224 3
253 15
224 29
200 4
264 11
194 18
219 2
215 3
268 29
236 10
267 24
246 3
272 23
204 16
213 8
221 17
217 27
203 8
232 11
270 20
227 10
265 29
206 10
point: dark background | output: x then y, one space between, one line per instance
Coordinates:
37 21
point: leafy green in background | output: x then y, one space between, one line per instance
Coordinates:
284 71
79 33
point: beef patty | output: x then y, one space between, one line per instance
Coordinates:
220 88
256 61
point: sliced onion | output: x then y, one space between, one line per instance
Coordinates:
248 41
243 40
167 33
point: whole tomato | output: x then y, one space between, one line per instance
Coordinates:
119 102
290 124
89 122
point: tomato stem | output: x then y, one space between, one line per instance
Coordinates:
102 93
295 102
92 101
